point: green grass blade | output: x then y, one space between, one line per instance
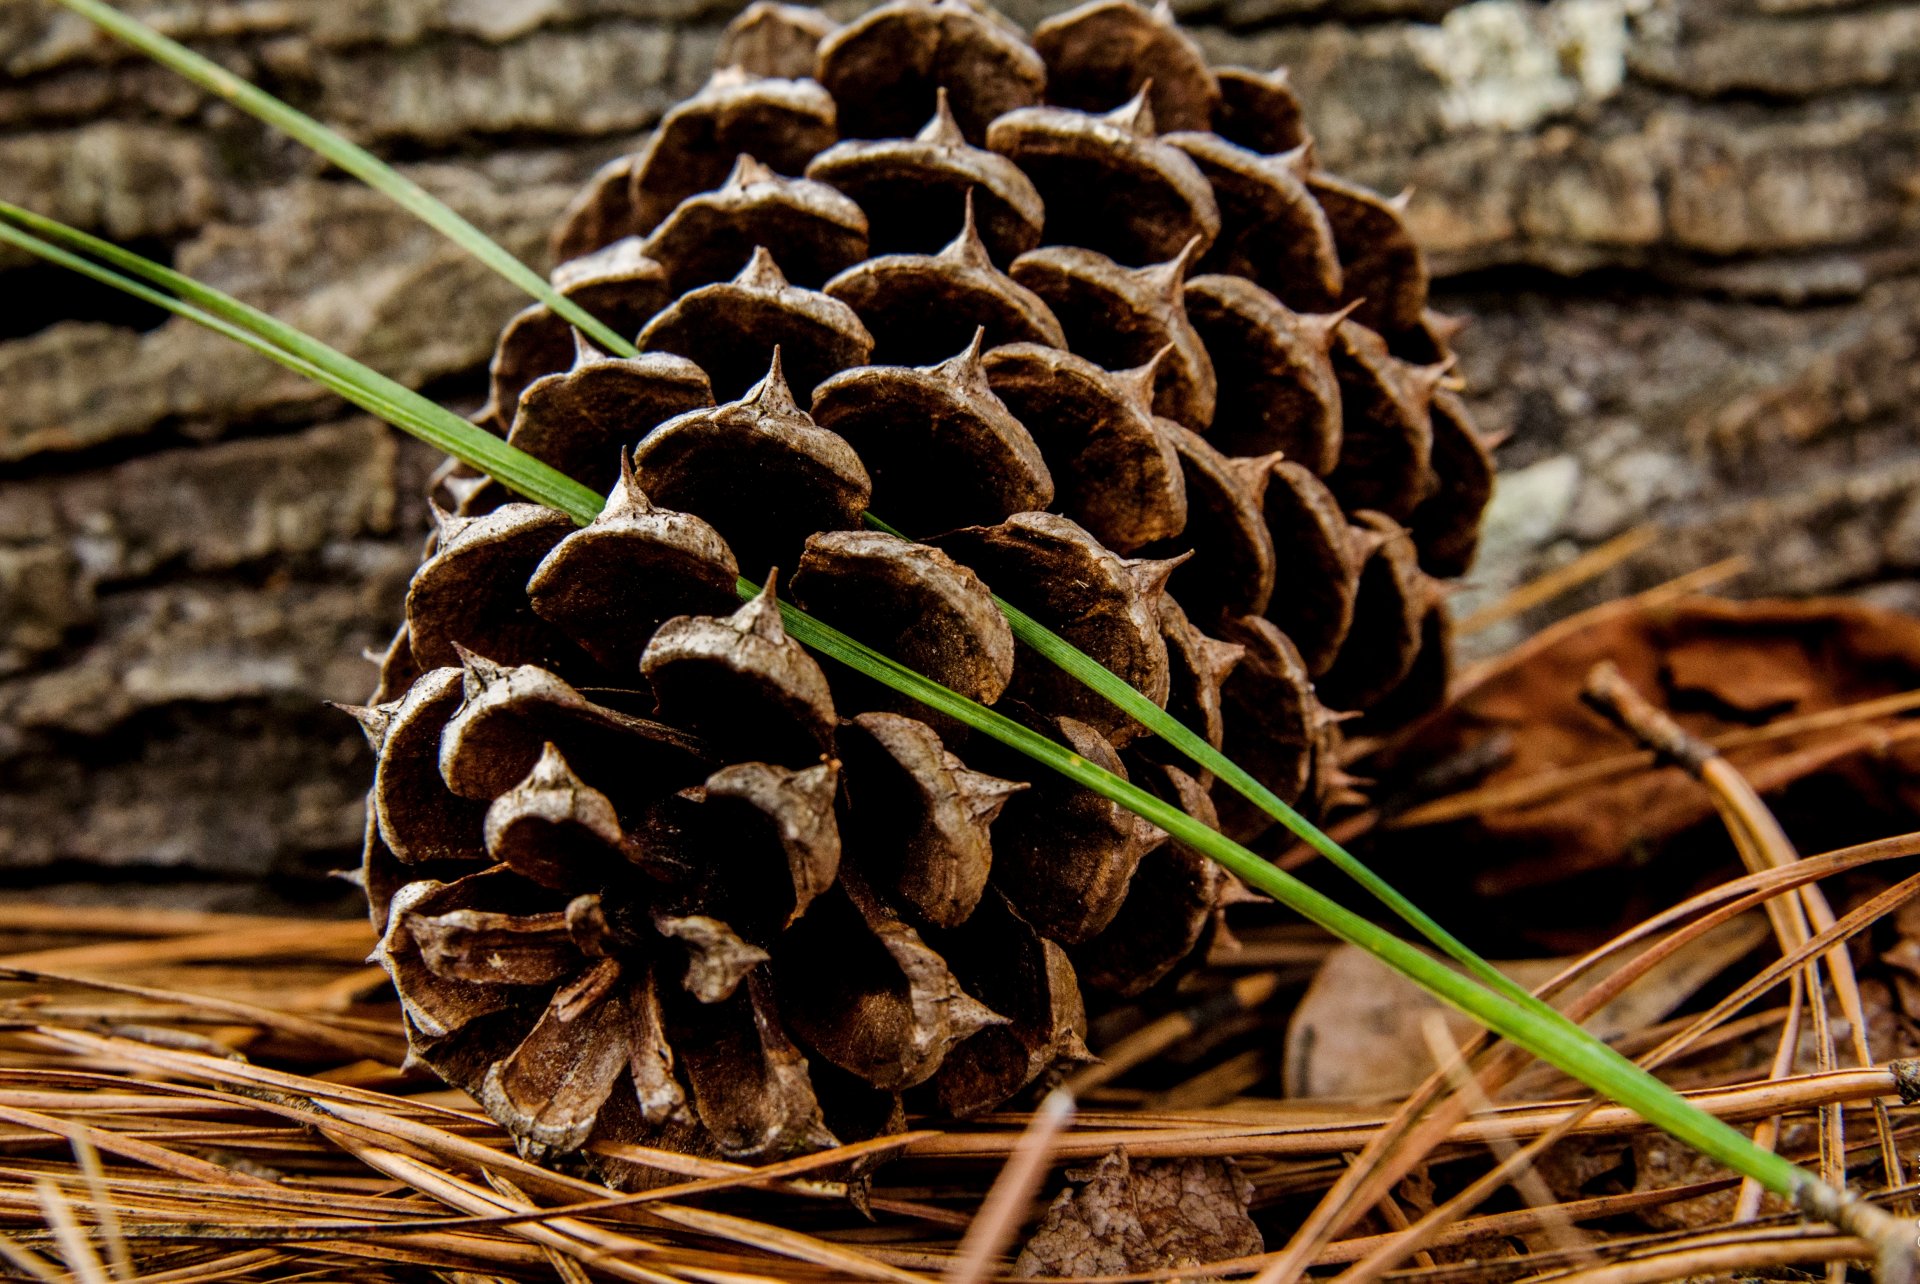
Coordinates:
1558 1042
1093 674
1176 733
11 235
1547 1035
358 383
351 157
52 253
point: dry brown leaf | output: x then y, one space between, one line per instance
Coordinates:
1719 668
1127 1216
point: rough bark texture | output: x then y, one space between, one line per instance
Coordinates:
1687 233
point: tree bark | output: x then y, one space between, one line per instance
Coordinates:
1687 233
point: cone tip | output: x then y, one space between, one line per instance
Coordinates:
760 615
967 248
761 272
942 129
1136 114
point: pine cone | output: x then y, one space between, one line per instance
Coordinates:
1080 314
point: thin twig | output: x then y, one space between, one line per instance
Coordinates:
1526 1182
1723 1260
1679 587
1592 564
1746 1204
1150 1040
120 1260
1764 844
1011 1195
79 1254
1545 786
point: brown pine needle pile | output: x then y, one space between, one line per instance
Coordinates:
242 1111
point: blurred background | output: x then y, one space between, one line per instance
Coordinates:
1686 233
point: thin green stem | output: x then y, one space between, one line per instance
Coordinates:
54 254
351 157
358 383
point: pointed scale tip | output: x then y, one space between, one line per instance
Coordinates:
1188 253
1136 114
1137 384
1147 834
761 272
761 615
1235 892
1220 658
1297 160
585 352
967 1016
967 248
982 795
1169 279
965 369
626 500
942 130
478 672
374 719
747 171
552 772
1255 472
1320 327
447 526
771 396
1150 574
1364 541
1330 717
1426 380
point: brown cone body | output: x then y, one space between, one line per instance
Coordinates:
1121 355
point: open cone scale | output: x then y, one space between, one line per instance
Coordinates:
1084 316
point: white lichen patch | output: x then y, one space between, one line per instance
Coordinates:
1509 65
